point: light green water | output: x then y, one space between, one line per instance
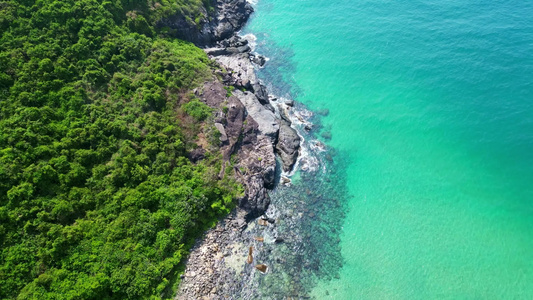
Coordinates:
433 104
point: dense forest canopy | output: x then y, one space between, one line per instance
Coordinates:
98 199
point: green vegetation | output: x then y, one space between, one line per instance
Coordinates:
198 110
97 197
229 90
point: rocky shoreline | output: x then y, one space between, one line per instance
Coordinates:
253 128
263 250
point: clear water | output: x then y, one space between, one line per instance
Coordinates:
431 104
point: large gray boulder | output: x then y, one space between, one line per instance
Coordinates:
267 122
288 146
256 167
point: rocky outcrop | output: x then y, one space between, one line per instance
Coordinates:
241 70
221 22
288 146
252 131
267 122
248 133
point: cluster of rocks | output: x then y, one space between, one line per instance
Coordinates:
254 125
216 24
207 275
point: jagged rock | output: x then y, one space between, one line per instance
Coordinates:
254 150
284 113
223 136
212 93
270 107
234 117
261 93
244 49
241 69
289 102
257 165
259 60
266 120
234 41
216 51
288 146
228 17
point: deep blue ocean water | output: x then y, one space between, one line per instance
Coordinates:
430 107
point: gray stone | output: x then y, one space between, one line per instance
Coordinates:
288 146
289 102
216 51
241 69
284 113
259 60
266 120
223 136
261 93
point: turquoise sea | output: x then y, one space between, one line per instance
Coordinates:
429 105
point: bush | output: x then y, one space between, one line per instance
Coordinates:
197 109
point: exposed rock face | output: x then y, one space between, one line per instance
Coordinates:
266 120
288 146
257 165
251 134
223 136
227 17
248 131
241 70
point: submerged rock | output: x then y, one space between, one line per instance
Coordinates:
250 258
285 180
262 222
262 268
326 135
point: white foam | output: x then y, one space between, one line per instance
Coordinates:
307 161
252 40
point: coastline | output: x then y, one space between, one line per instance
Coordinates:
265 140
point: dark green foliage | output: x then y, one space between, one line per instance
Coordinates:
197 109
97 197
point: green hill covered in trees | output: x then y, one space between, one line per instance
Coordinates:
98 199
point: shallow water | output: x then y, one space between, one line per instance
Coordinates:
430 107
